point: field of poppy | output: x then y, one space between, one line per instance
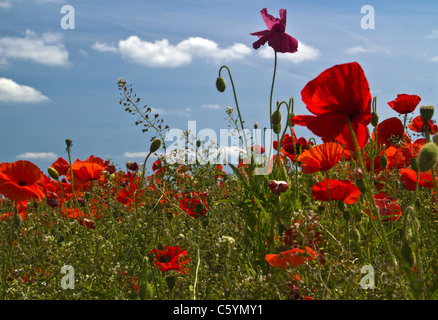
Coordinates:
366 196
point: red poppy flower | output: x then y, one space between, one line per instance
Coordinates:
193 202
390 132
417 125
389 209
405 103
88 170
275 35
322 157
291 146
409 178
337 94
171 258
343 190
290 258
20 180
61 166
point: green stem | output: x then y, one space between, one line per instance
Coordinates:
237 105
272 87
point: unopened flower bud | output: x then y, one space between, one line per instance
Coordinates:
384 162
361 185
53 173
276 117
428 156
427 112
155 145
256 125
414 164
406 253
374 119
220 84
277 128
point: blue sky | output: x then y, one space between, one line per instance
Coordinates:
60 83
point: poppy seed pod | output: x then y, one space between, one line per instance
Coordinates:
277 128
428 156
414 164
155 145
361 185
427 112
276 117
53 173
220 84
374 119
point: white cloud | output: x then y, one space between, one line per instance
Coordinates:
46 49
304 53
433 34
10 91
5 5
434 59
141 154
354 50
211 106
38 155
162 54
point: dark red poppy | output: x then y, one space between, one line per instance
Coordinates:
21 180
194 204
61 166
278 187
389 209
417 125
342 190
291 146
337 94
390 132
405 103
171 258
275 35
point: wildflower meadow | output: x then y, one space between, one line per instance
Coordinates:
348 214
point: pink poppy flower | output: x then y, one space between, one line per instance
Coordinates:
275 36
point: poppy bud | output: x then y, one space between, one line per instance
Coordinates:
277 128
341 206
383 161
374 119
427 112
428 156
69 143
220 84
171 282
53 173
17 220
155 145
361 185
406 253
276 117
355 234
346 215
414 164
